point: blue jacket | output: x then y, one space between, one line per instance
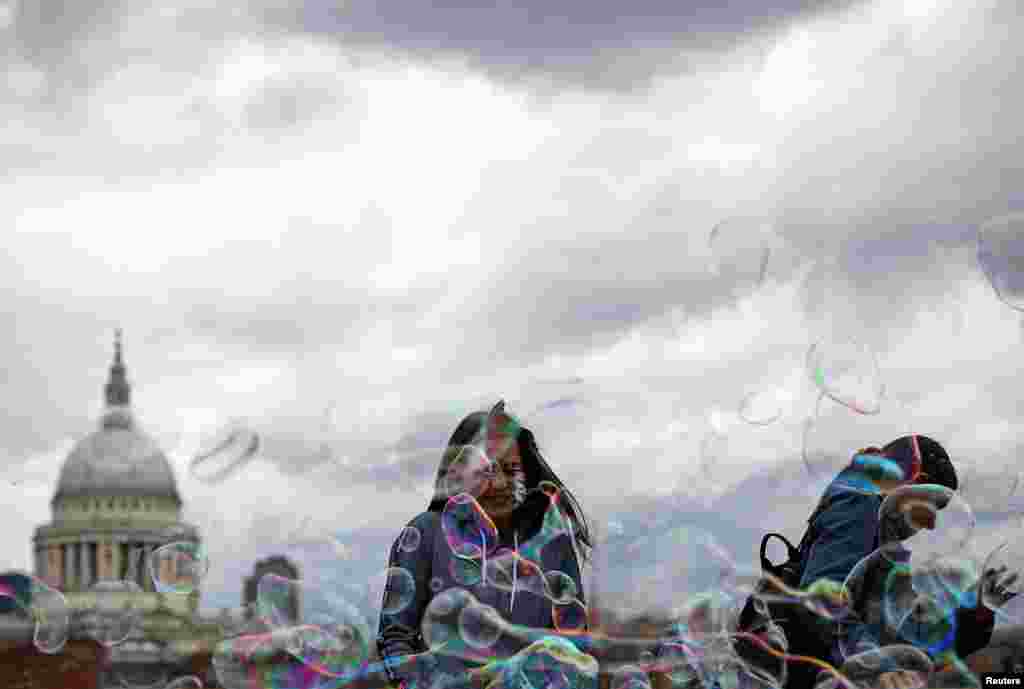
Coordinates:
846 530
434 567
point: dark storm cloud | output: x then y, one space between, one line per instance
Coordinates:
600 45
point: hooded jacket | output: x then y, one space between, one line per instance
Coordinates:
435 568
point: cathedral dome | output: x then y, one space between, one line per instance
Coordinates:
118 458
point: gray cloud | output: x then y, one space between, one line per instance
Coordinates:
288 211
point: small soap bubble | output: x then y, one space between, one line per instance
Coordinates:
480 626
395 588
224 453
763 407
409 539
178 567
467 528
1001 256
436 584
51 615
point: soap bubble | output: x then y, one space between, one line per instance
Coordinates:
847 372
1001 256
902 601
763 407
480 626
178 567
467 528
409 539
741 250
51 615
334 641
224 452
930 521
1007 561
396 588
113 617
440 625
988 486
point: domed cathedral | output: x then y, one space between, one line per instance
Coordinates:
115 503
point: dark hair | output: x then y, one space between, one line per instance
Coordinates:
935 462
531 512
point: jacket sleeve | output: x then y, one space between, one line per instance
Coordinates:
399 633
846 533
973 629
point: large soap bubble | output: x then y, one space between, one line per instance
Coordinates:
1001 256
847 372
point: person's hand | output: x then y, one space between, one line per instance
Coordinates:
998 585
900 679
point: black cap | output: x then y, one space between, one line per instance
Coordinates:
934 459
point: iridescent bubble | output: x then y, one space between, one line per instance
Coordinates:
899 602
277 600
555 663
178 567
436 584
465 573
1001 256
847 372
440 625
467 528
224 453
334 639
561 587
466 470
409 539
114 616
480 626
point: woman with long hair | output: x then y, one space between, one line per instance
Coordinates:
501 526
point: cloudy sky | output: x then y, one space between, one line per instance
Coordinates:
350 223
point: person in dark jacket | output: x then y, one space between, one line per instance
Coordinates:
848 530
529 520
